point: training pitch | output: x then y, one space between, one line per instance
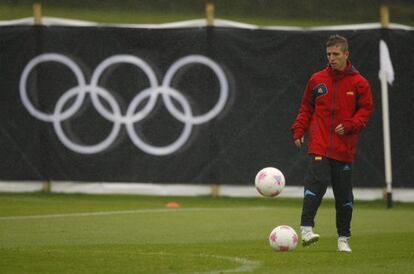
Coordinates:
56 233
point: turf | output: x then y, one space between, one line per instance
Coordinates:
56 233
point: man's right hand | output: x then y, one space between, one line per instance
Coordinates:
299 142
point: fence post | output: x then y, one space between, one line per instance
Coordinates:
215 188
37 17
385 16
37 13
210 13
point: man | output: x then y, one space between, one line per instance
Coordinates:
335 107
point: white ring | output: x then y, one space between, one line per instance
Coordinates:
177 144
87 149
224 89
59 58
116 59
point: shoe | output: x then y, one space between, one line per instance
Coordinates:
308 237
343 245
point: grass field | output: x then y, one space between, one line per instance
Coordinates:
58 233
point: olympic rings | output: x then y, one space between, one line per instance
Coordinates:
114 113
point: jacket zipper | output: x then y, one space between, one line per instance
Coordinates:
332 119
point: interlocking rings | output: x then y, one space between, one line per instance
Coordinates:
114 114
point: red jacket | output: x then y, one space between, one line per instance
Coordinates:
331 98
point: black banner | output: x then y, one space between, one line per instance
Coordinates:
190 105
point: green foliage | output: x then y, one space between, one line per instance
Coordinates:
262 12
138 234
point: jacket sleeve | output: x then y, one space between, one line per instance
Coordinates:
363 111
301 124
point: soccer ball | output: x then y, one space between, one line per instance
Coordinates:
270 182
283 238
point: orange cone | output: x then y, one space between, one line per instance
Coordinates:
172 205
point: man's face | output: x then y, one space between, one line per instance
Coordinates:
337 57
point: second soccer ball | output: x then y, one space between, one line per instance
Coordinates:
283 238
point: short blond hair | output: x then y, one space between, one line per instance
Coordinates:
337 40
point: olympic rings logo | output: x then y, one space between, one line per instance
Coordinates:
132 116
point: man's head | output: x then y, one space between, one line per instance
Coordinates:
337 52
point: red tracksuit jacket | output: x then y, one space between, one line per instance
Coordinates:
331 98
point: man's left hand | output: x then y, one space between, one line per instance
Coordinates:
340 129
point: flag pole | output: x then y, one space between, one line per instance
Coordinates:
387 137
385 20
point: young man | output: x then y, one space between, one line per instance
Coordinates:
335 107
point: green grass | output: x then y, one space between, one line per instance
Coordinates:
138 234
124 15
9 12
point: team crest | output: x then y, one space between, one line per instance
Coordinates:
318 91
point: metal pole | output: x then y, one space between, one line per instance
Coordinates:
387 137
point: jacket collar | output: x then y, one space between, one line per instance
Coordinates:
339 74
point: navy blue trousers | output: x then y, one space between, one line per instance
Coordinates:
322 172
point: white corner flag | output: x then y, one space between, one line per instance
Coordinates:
385 62
386 74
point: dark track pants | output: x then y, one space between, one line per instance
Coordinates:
321 172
